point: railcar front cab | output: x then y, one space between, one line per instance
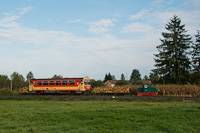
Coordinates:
86 85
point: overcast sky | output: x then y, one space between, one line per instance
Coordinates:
78 38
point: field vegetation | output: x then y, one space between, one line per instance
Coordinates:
98 116
173 90
163 90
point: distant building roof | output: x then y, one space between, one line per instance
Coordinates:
146 81
110 83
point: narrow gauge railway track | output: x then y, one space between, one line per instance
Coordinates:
130 98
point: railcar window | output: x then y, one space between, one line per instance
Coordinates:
77 83
51 83
71 82
34 83
64 82
45 82
58 82
39 82
87 82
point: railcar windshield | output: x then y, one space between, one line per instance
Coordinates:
87 82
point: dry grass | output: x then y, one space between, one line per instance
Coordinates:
178 90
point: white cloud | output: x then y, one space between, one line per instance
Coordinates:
140 15
25 10
138 27
56 52
100 26
9 21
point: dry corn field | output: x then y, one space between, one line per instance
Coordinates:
178 90
163 90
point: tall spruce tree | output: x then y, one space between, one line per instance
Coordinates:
196 59
172 62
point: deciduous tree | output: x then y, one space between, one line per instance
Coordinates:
146 77
18 81
29 76
4 81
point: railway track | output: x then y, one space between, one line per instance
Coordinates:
131 98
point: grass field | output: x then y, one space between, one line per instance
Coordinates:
98 116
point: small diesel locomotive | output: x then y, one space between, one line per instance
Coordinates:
64 85
147 90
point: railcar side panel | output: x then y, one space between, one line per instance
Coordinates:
60 85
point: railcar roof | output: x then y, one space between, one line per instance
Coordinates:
56 78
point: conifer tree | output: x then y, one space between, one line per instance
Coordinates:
196 59
135 75
109 76
172 62
105 78
122 77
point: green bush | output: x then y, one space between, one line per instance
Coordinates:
121 82
136 82
5 91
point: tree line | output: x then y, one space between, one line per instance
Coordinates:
17 81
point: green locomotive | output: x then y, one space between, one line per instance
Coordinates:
147 90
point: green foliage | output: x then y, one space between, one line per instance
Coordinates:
57 77
146 77
4 81
196 60
172 61
5 91
122 77
18 81
154 77
136 82
108 77
98 116
97 83
121 82
135 75
29 76
113 77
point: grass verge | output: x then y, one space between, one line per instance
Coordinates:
98 116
